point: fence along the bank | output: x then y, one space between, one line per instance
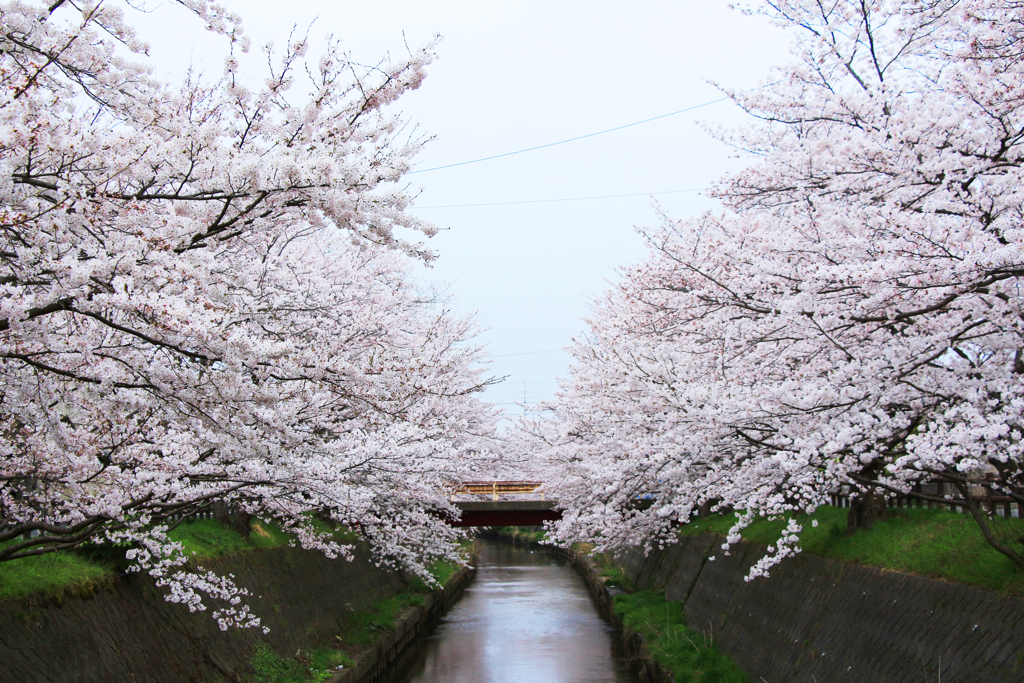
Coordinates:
980 489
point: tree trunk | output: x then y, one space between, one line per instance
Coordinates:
982 520
237 520
866 508
704 510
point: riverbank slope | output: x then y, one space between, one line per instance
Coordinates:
123 629
816 619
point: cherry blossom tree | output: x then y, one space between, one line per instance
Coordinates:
206 299
853 317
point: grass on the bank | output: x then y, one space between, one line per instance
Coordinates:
313 667
365 627
934 543
53 573
360 629
612 574
441 571
207 539
688 655
80 573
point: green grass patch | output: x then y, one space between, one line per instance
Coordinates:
265 535
80 572
611 573
325 659
365 627
205 539
935 543
55 573
360 629
443 571
688 655
208 538
311 667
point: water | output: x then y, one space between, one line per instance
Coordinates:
527 617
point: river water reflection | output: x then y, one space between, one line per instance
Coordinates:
526 618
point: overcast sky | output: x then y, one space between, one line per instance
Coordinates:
515 75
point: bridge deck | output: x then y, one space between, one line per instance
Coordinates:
506 513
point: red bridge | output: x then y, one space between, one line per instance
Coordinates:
497 512
506 512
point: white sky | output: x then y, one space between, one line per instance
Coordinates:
513 75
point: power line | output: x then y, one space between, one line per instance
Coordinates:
562 142
566 199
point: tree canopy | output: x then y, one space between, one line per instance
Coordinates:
206 296
853 315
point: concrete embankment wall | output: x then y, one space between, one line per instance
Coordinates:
127 632
821 621
398 647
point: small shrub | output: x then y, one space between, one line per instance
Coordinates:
614 576
266 535
611 573
267 665
325 659
314 667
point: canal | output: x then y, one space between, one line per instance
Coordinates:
527 617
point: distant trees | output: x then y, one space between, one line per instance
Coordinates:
855 315
203 298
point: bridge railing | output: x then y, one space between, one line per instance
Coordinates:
496 489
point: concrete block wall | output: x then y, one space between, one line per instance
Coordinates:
398 648
821 621
129 633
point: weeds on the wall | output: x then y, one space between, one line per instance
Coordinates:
309 667
687 654
612 574
359 630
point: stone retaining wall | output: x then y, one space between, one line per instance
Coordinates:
823 621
